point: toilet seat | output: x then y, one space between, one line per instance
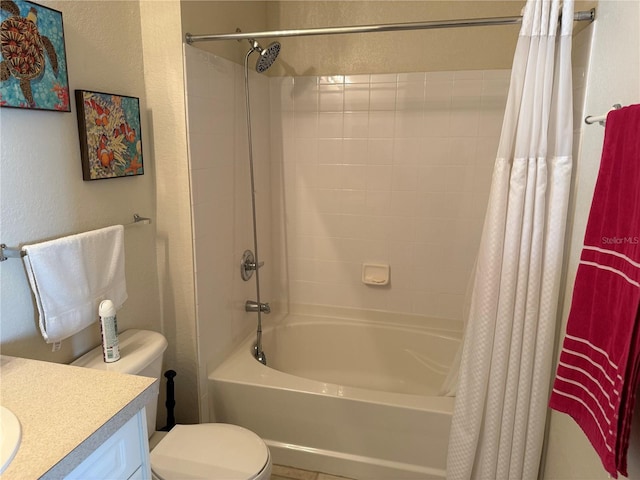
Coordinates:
209 450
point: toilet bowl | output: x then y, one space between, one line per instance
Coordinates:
206 450
211 450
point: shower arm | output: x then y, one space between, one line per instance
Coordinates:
581 16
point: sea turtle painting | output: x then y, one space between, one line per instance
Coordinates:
27 56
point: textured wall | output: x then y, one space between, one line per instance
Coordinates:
162 45
415 51
208 17
613 77
43 196
454 49
478 48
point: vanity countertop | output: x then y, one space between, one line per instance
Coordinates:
65 412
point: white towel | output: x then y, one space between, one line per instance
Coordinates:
70 276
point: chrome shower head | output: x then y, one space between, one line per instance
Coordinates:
266 56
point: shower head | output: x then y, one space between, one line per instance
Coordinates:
266 56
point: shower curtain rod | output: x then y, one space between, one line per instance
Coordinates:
588 15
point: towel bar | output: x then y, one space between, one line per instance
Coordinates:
12 252
601 119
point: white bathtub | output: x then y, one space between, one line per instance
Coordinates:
348 394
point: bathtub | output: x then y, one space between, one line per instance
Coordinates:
346 393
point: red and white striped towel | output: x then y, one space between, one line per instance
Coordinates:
597 375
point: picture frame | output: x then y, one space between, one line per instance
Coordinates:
33 71
110 135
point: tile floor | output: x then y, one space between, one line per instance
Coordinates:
280 472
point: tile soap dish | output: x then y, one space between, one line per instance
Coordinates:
375 274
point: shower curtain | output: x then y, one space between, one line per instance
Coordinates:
500 408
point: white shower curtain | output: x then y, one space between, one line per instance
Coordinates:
500 409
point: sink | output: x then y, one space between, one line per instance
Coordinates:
10 435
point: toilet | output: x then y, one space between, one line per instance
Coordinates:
206 450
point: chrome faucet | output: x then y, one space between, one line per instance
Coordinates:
252 306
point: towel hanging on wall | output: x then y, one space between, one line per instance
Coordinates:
70 276
597 375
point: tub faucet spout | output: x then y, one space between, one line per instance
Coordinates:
253 306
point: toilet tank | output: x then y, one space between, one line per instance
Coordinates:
140 354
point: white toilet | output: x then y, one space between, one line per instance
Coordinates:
207 450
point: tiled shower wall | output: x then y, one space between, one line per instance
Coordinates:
221 202
384 169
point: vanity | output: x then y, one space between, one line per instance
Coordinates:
76 422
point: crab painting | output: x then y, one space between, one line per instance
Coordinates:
25 51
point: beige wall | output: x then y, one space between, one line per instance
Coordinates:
453 49
417 51
43 196
614 76
163 68
207 17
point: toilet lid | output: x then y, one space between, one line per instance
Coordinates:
209 450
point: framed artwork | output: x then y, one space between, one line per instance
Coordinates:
110 139
33 71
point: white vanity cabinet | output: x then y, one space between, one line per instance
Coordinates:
77 423
125 455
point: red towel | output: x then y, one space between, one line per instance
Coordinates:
599 364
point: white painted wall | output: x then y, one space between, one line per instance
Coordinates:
613 77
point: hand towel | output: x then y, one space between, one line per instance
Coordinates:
70 276
597 375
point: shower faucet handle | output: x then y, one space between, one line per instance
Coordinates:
248 265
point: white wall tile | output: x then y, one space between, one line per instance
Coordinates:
382 124
405 177
415 77
410 96
383 96
331 79
331 98
400 174
306 150
356 124
221 195
330 150
383 78
408 151
305 94
378 202
356 97
365 78
353 177
354 151
379 151
436 121
409 123
329 176
378 177
330 124
305 124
